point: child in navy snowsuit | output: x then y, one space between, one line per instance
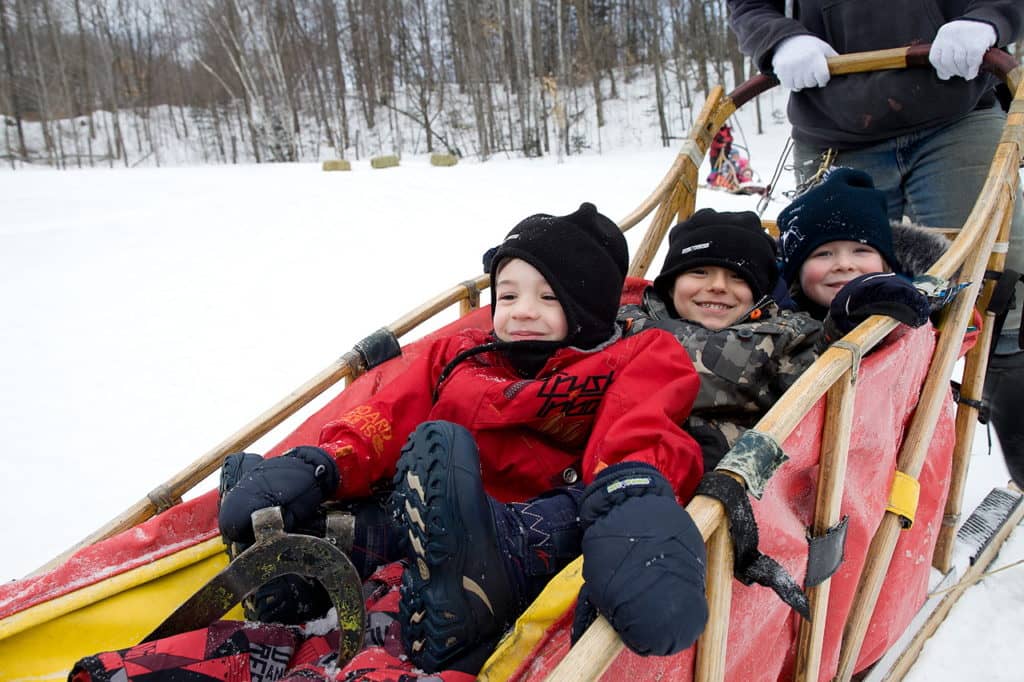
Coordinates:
844 261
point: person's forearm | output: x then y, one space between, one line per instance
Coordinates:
1005 16
759 27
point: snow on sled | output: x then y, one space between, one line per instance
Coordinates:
862 432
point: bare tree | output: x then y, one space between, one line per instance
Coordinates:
84 101
49 123
363 66
252 40
590 58
13 96
329 20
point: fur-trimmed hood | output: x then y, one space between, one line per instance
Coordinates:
916 248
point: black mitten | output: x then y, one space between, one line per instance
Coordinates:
713 443
289 599
880 293
297 481
235 467
643 562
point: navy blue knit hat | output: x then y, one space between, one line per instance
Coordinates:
583 256
845 206
728 239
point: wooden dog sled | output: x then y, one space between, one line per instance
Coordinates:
855 428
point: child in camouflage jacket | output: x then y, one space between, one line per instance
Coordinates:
714 294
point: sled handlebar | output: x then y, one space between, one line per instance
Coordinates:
996 61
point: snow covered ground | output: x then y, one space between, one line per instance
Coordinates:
147 314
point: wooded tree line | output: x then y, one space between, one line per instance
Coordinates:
287 80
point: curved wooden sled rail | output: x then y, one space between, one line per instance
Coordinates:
833 374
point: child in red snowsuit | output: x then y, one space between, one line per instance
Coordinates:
552 396
488 440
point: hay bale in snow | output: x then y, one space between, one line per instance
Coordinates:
337 165
384 161
443 159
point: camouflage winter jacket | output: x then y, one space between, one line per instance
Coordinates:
743 369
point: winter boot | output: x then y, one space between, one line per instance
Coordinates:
1004 394
473 565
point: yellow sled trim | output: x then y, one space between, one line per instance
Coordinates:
554 601
44 641
903 498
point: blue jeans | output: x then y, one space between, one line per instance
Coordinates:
933 176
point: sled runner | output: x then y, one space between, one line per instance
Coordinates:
874 438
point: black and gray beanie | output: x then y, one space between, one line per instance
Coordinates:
733 240
583 256
845 206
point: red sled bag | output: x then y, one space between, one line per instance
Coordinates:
227 651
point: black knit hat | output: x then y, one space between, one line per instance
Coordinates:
845 206
733 240
583 256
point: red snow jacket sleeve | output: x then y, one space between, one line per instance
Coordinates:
526 435
639 419
367 440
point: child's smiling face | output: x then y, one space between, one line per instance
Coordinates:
833 264
526 308
712 296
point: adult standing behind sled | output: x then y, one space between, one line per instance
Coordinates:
490 420
926 138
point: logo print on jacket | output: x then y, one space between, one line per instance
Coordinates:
371 424
573 396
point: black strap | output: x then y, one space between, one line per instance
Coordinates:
750 566
378 347
1003 301
1002 294
980 405
825 553
469 352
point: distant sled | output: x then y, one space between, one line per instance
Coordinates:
731 170
862 432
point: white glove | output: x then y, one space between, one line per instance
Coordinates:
959 46
799 62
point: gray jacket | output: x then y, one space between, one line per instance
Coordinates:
861 109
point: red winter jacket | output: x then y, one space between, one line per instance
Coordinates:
584 411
